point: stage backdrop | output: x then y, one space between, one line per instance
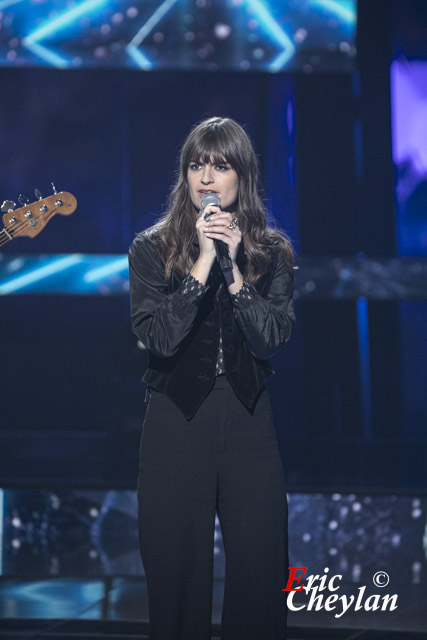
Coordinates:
94 102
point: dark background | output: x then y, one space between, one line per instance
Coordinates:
72 400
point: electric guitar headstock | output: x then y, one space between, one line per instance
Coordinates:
32 218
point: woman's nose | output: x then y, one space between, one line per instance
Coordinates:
207 175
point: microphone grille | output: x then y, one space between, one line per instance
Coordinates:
211 198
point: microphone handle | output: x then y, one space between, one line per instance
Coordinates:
224 259
221 248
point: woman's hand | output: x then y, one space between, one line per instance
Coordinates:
218 228
206 244
207 255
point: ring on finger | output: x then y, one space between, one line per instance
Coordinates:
233 224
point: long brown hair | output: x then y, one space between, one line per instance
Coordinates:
217 140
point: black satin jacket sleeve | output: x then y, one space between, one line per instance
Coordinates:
160 319
266 322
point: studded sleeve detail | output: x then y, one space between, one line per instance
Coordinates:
243 296
160 319
266 321
191 288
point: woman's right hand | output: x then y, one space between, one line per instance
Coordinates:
207 246
201 268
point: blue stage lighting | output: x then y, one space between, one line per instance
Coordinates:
364 359
267 34
141 60
276 33
342 9
107 270
5 4
47 55
55 25
49 269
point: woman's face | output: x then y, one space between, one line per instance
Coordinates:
220 179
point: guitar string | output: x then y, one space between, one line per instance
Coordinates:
23 225
13 226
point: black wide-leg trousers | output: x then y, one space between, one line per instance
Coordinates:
223 460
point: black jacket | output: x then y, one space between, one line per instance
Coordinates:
179 323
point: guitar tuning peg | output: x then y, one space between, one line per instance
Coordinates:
54 188
23 200
38 194
8 206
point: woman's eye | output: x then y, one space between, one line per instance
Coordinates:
222 167
194 166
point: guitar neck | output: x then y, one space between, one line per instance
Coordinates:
5 237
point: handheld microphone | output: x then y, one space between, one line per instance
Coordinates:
221 248
211 198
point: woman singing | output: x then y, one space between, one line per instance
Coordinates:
209 444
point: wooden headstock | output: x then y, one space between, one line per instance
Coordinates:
30 219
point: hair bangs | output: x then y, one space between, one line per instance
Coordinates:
212 146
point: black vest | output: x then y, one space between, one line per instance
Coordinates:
187 377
